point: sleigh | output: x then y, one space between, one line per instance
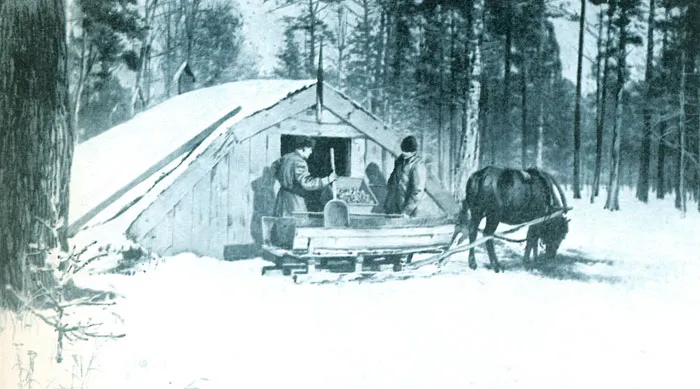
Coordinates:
301 245
372 244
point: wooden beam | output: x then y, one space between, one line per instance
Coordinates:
293 126
262 120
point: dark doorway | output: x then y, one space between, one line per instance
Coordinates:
319 162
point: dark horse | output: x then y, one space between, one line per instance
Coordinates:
513 197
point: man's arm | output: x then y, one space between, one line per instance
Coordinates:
418 178
303 177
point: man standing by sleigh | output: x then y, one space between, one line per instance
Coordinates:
406 185
292 172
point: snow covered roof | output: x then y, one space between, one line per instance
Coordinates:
110 162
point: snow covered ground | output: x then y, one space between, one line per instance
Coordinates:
619 309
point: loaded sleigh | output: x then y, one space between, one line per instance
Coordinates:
363 243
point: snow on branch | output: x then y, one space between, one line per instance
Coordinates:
58 301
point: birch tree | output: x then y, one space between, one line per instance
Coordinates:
469 144
613 202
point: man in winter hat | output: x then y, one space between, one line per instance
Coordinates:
292 172
406 185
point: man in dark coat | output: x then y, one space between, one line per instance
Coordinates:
406 185
292 172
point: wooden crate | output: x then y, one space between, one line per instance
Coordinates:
352 183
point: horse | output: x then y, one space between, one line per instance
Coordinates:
513 197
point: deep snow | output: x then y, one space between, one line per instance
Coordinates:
619 309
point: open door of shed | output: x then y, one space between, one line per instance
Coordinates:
319 162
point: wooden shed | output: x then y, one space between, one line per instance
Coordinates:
215 205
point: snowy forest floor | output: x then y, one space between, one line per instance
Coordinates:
618 309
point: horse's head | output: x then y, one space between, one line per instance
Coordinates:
553 233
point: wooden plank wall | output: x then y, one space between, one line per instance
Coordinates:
160 238
258 187
225 207
237 216
218 212
182 233
200 216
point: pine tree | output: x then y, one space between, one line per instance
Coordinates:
360 69
107 34
290 63
216 44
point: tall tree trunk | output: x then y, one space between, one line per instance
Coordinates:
82 75
600 126
508 54
367 54
469 144
168 52
36 139
541 80
680 192
379 81
141 89
523 110
661 187
645 154
613 202
341 33
697 101
313 6
661 162
453 114
577 109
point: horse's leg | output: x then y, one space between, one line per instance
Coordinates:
530 245
491 225
473 230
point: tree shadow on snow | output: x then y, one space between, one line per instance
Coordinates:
568 265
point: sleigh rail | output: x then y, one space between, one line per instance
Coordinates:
441 258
